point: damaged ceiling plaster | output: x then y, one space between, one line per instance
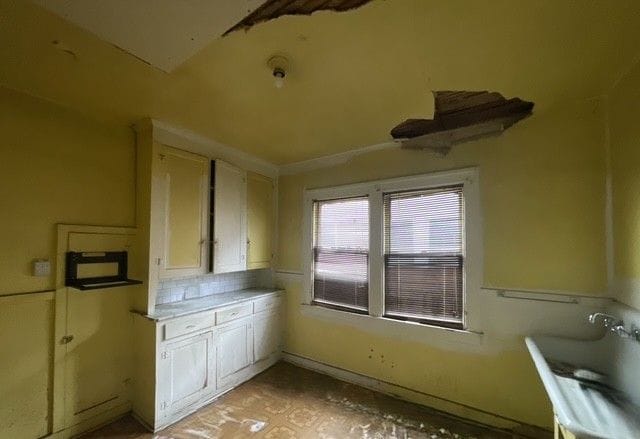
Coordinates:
461 116
272 9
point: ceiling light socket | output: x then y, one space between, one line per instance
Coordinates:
278 65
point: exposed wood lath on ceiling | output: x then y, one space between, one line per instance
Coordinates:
462 116
276 8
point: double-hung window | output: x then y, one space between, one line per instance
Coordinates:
423 258
404 249
341 253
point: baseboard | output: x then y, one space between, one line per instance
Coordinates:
141 420
447 407
92 423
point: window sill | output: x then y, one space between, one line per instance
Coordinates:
405 330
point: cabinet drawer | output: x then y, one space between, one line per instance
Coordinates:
267 303
186 325
235 312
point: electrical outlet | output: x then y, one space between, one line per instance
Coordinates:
41 267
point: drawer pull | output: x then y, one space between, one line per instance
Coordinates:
190 326
235 313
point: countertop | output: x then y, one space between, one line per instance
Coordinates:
176 309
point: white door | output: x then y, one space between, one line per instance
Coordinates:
230 225
186 373
235 351
267 333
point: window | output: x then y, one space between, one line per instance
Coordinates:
398 251
341 253
423 258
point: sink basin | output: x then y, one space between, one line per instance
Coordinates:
609 406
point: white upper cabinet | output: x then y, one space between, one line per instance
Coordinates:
183 195
230 218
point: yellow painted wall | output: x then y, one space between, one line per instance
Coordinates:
56 166
624 114
25 352
542 197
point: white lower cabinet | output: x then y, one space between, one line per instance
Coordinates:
235 341
267 340
186 373
199 356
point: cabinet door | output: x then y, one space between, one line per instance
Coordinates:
230 227
186 373
184 176
260 220
267 334
235 352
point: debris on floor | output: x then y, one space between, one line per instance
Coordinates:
290 402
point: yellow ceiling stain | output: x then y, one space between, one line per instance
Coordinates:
353 76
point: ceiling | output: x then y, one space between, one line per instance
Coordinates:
163 33
353 75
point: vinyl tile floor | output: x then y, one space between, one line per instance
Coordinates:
286 402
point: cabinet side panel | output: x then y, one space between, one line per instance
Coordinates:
144 378
260 220
144 299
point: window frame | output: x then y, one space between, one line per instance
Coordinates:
374 190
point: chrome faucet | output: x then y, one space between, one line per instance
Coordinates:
617 327
607 319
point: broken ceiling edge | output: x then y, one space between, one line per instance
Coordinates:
272 9
462 116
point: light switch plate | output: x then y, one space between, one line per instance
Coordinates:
41 267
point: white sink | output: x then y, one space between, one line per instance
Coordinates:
607 410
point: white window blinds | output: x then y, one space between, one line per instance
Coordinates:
424 255
341 253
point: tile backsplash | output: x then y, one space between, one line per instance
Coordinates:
178 289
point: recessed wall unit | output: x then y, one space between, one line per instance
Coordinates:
99 279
